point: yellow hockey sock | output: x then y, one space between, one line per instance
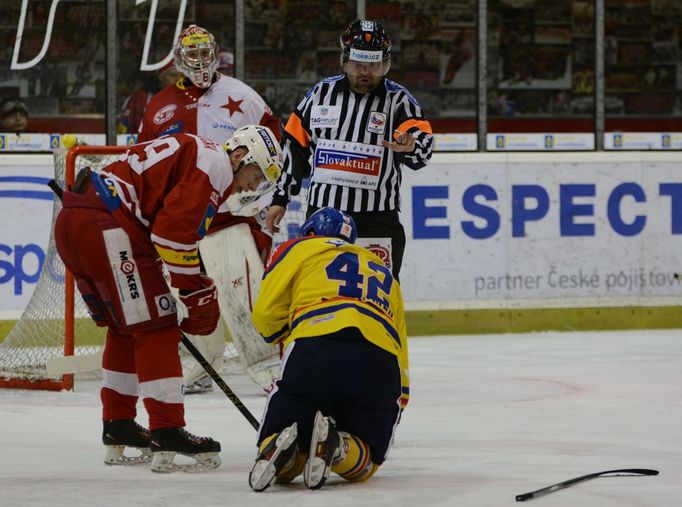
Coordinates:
355 461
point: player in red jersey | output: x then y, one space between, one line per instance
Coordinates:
150 208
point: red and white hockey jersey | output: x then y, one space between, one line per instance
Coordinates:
214 113
173 186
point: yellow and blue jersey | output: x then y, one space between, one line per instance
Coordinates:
315 286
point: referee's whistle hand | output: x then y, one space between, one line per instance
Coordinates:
404 142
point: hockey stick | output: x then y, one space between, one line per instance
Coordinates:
561 485
79 363
219 380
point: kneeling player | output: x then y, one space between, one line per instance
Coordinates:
344 378
152 206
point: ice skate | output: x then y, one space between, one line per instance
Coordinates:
117 434
277 453
324 445
167 442
203 384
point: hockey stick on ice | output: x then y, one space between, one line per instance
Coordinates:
219 380
561 485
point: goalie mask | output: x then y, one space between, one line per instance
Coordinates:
196 55
330 222
365 42
264 151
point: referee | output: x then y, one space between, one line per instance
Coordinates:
351 134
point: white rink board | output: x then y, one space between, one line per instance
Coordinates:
606 230
25 218
546 267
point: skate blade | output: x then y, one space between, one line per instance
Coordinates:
316 473
198 390
115 456
163 462
316 469
264 471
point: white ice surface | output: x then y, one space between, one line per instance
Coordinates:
490 417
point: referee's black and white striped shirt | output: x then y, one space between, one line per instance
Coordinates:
334 136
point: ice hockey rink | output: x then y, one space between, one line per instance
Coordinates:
490 417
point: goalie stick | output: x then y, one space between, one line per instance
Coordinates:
79 363
565 484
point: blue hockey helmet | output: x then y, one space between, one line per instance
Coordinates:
330 222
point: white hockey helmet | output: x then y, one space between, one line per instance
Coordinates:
196 55
263 150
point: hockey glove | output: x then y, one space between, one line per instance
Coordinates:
203 311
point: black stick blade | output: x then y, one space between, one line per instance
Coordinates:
56 188
570 482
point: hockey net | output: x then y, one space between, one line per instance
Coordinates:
55 322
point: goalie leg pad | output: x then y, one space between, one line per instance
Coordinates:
232 259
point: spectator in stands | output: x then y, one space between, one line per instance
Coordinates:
226 63
134 105
13 115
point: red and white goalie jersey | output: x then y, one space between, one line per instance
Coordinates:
214 113
174 186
